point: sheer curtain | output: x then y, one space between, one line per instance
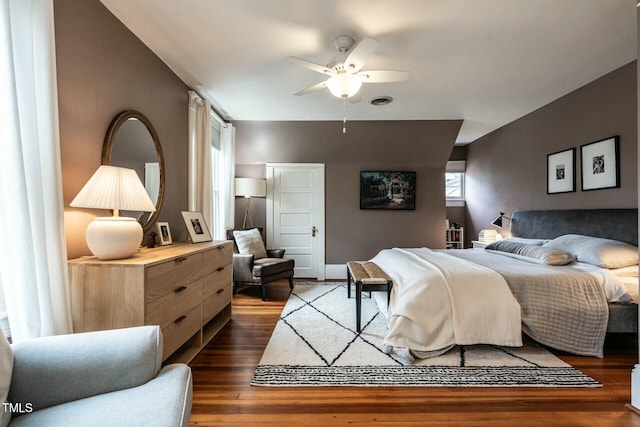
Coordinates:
227 171
200 188
33 267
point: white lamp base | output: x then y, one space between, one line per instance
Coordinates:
114 237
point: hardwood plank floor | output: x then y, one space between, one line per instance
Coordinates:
222 394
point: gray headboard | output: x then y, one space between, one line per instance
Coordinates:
617 224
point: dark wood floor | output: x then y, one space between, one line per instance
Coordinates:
222 394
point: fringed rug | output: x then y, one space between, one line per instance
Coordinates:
315 343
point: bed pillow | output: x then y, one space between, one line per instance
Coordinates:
604 253
524 240
549 256
250 242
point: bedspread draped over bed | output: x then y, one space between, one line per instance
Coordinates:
561 307
439 301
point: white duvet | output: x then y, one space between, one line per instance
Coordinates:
465 302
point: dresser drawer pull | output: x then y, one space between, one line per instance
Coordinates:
180 319
180 289
220 269
219 291
179 260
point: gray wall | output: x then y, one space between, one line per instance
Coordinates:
351 233
506 170
102 70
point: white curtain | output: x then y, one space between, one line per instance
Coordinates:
33 260
200 188
227 172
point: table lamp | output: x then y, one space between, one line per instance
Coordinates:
116 188
248 188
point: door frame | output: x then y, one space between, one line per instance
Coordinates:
321 234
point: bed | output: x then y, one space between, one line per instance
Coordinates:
544 281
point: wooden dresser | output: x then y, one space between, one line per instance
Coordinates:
185 288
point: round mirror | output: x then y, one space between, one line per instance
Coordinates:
132 142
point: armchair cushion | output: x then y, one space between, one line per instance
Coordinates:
158 403
6 368
264 267
52 370
250 242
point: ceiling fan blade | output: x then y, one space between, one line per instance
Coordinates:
313 66
312 88
359 54
383 76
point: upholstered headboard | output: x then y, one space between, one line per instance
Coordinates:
617 224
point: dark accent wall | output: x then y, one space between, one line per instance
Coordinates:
351 233
506 170
102 70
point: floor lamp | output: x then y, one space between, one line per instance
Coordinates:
248 188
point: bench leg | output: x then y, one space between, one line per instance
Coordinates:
358 304
348 283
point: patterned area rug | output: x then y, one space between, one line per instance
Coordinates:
315 343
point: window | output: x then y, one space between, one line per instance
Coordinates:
454 183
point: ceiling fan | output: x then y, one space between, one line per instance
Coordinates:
345 70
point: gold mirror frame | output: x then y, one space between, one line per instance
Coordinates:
107 151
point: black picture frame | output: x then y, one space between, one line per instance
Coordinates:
388 190
561 172
600 161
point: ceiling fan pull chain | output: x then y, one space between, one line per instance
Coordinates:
344 115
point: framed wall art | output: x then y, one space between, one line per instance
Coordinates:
197 228
600 162
561 172
164 233
388 190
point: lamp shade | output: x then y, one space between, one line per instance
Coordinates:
498 221
344 85
116 188
113 187
251 187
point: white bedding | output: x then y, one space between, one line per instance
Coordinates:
465 303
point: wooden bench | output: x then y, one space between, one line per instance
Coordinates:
367 276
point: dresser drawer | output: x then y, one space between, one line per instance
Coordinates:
176 331
212 305
216 280
217 257
174 304
166 277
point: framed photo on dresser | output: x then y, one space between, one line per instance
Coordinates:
164 233
197 228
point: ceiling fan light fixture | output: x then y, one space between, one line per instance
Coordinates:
344 85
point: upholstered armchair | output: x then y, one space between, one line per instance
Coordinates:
105 378
255 265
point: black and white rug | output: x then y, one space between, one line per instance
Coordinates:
315 343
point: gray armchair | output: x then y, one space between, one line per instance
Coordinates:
106 378
258 271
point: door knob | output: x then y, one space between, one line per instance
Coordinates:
313 231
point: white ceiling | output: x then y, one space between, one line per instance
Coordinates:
485 61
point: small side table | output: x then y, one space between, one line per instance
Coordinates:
478 244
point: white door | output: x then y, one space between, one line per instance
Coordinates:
295 215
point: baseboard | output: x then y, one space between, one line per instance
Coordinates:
336 271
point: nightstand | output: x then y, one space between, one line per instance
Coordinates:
478 244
